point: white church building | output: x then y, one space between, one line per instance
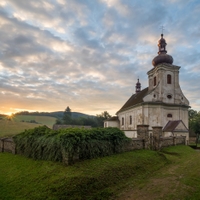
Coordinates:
162 103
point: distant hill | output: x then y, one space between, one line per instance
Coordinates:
56 114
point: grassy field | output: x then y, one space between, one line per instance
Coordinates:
15 125
10 128
44 120
171 174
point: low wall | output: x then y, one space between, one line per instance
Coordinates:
7 145
57 126
135 144
192 140
172 141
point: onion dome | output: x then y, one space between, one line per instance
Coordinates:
162 57
138 87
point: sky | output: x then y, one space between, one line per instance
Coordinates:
88 54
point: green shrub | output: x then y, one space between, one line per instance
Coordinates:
46 144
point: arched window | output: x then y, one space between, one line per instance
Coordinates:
122 121
154 81
130 119
169 115
169 79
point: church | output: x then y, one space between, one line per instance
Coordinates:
161 104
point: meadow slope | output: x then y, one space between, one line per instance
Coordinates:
19 123
171 174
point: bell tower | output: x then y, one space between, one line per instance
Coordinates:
164 78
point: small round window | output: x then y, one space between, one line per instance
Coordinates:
169 96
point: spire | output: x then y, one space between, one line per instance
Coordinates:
162 45
138 87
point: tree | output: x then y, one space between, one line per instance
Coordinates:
58 121
101 117
194 123
67 116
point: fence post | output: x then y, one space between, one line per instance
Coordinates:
157 133
142 133
174 140
1 144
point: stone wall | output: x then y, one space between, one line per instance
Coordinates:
155 142
135 144
192 140
58 126
7 145
171 141
143 133
181 140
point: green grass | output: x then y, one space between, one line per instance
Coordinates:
44 120
170 174
22 178
10 128
177 180
15 125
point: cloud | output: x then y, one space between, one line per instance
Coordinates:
89 54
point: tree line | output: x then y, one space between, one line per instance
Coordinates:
94 121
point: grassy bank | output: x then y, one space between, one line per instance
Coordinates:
104 178
22 178
177 180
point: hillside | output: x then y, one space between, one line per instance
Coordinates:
43 120
140 175
27 120
19 123
10 128
56 114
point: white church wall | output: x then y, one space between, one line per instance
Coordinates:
135 113
131 134
157 115
163 90
186 134
111 124
153 117
167 134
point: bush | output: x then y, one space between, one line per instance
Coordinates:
46 144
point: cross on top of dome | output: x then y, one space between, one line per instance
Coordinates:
162 45
162 57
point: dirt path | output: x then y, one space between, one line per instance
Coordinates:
167 183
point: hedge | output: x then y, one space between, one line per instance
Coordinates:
46 144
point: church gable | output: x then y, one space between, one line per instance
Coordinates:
181 127
175 126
